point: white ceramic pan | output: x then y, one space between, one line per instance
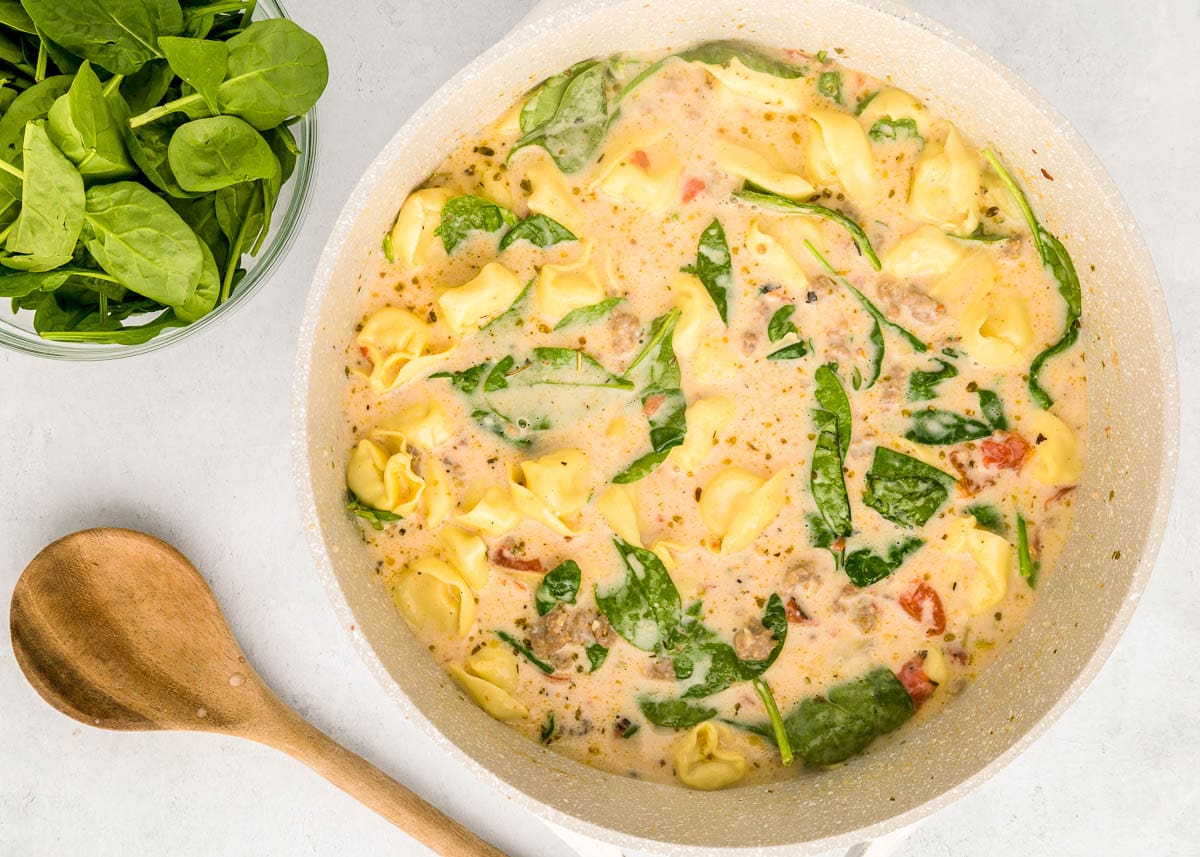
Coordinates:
1082 608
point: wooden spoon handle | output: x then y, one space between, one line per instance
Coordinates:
292 734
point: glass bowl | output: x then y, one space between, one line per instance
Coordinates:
16 329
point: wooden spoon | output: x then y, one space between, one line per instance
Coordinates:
117 629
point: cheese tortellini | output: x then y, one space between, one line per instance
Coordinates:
431 594
1055 457
706 758
412 235
490 677
698 315
737 505
775 258
551 194
397 343
892 103
745 83
945 186
647 177
381 474
553 489
925 252
839 153
492 513
762 165
705 417
467 553
992 557
472 305
996 329
562 288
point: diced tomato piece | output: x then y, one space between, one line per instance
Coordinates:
640 160
692 187
1004 450
923 603
363 350
919 686
504 556
652 404
796 614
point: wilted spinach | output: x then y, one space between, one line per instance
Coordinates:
377 518
462 215
922 383
864 566
714 267
829 84
760 196
568 116
937 427
560 585
644 608
539 230
662 398
905 490
587 314
1026 564
887 129
674 713
988 518
522 649
827 483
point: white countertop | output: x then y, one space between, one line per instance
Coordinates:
193 445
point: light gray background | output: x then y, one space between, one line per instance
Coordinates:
192 445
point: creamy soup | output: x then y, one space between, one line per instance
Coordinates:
715 413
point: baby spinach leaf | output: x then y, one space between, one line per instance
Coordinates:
34 103
695 644
829 84
781 323
462 215
753 58
790 352
864 566
18 284
543 102
568 367
587 314
560 585
524 650
831 395
662 398
905 490
48 226
276 70
147 86
937 427
714 267
981 235
887 129
575 128
147 146
209 154
539 230
644 608
596 654
826 481
1026 564
922 383
14 16
208 290
778 727
760 196
993 410
468 380
988 518
1058 262
674 713
117 335
82 127
118 35
140 240
200 213
202 63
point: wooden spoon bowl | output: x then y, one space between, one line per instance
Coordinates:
118 630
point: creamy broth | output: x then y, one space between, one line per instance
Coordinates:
473 494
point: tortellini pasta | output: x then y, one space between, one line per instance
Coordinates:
649 178
562 288
617 504
704 418
698 315
424 424
775 258
995 328
751 85
706 758
839 153
439 492
553 489
974 275
1055 457
737 505
380 471
992 555
431 594
945 186
895 103
472 305
381 476
762 165
493 513
412 235
490 678
925 252
467 553
397 344
551 195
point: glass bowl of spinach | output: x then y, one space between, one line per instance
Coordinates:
156 160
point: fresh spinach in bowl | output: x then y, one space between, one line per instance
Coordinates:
143 148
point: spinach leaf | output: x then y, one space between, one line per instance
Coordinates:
888 129
524 650
781 323
644 608
714 267
829 84
753 58
587 314
515 309
140 240
468 380
462 215
662 399
377 518
922 383
559 585
15 17
988 518
200 213
790 352
116 335
905 490
864 566
276 70
572 132
778 727
993 410
831 396
1058 262
1026 564
82 127
202 63
596 654
541 105
208 290
936 427
210 154
674 713
695 645
760 196
825 730
548 729
826 481
539 230
981 235
18 284
569 367
118 35
147 86
51 217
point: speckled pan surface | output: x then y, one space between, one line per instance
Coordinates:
1083 607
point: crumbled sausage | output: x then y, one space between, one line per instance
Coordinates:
551 632
602 631
753 642
861 608
802 579
1011 248
749 342
623 328
661 668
